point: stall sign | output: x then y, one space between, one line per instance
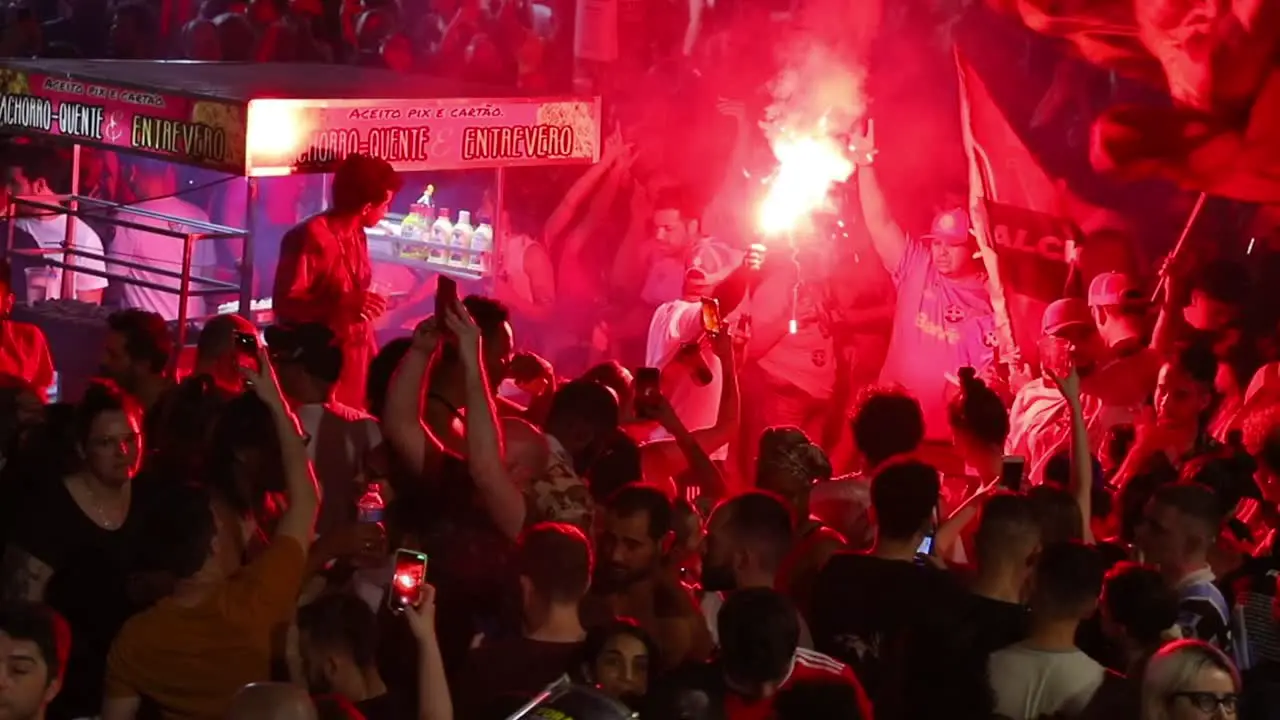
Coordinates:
183 129
313 135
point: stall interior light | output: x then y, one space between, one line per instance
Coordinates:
277 131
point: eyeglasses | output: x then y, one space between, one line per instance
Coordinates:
1207 702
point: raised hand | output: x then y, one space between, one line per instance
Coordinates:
262 379
463 326
1068 384
422 617
862 145
426 335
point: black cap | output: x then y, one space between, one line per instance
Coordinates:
313 345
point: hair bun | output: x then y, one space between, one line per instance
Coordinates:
969 377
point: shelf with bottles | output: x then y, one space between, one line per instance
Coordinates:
429 235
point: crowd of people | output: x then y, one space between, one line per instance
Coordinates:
702 476
1095 541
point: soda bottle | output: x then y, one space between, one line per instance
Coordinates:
370 508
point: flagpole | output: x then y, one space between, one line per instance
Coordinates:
980 192
1182 241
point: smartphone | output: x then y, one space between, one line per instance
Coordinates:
711 316
247 353
446 295
406 583
247 343
647 382
926 545
1011 471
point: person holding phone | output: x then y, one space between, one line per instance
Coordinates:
324 271
191 652
692 372
1040 417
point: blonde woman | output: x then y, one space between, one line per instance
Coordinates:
1190 680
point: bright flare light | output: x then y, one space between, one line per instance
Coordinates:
808 165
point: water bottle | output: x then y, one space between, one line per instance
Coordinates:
371 508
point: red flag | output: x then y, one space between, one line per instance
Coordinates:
1016 208
1217 61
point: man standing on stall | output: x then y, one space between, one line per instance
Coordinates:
324 269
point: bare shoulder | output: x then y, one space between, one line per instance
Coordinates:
673 601
23 576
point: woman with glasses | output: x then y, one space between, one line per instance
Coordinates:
1190 680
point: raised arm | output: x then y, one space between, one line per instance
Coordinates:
1169 323
888 239
501 497
402 423
562 217
434 700
664 457
629 263
597 209
301 488
1081 459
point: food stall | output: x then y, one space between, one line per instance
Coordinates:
250 126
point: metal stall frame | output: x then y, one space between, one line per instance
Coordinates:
74 208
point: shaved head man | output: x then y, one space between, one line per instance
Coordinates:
271 701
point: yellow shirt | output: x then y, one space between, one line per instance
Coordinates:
190 661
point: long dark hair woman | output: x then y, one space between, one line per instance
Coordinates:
77 535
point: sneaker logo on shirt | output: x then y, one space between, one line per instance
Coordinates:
953 314
990 340
819 358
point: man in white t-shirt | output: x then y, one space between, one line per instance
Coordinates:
691 372
308 362
39 173
1046 674
155 181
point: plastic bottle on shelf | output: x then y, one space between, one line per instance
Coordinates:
460 241
481 247
441 233
415 224
420 250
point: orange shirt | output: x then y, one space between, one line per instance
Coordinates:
24 353
191 660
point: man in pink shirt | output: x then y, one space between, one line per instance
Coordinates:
944 319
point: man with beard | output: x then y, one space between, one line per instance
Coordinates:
135 354
747 540
635 535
